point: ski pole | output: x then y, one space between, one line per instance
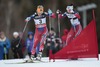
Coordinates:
59 25
49 23
58 12
22 33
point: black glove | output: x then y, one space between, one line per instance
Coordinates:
4 45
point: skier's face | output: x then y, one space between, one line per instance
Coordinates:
40 10
16 36
69 9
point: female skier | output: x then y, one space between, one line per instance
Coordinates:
74 17
41 30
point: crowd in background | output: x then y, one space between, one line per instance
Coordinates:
19 45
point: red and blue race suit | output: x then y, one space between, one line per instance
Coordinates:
41 30
76 26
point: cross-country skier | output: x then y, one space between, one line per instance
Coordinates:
75 23
41 30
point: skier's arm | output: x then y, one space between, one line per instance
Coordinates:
29 18
64 14
8 44
60 15
77 15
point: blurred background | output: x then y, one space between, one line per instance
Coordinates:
14 12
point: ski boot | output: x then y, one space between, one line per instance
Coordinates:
39 56
31 59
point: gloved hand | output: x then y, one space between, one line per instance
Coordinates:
58 12
17 45
49 12
27 19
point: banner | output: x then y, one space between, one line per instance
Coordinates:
83 46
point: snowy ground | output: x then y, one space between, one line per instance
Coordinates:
58 63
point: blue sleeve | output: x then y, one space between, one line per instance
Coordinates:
46 14
27 43
32 16
64 14
1 44
8 43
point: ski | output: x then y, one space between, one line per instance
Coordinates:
22 62
26 61
40 61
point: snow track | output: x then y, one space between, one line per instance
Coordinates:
58 63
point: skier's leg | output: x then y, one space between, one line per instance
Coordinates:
70 36
37 51
44 35
37 48
78 30
29 54
35 42
43 38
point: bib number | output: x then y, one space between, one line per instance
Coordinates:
40 21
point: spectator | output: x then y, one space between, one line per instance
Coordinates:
52 33
48 44
4 46
29 43
16 46
50 41
57 45
22 41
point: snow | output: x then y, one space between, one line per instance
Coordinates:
89 62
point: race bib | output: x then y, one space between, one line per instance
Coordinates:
40 21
